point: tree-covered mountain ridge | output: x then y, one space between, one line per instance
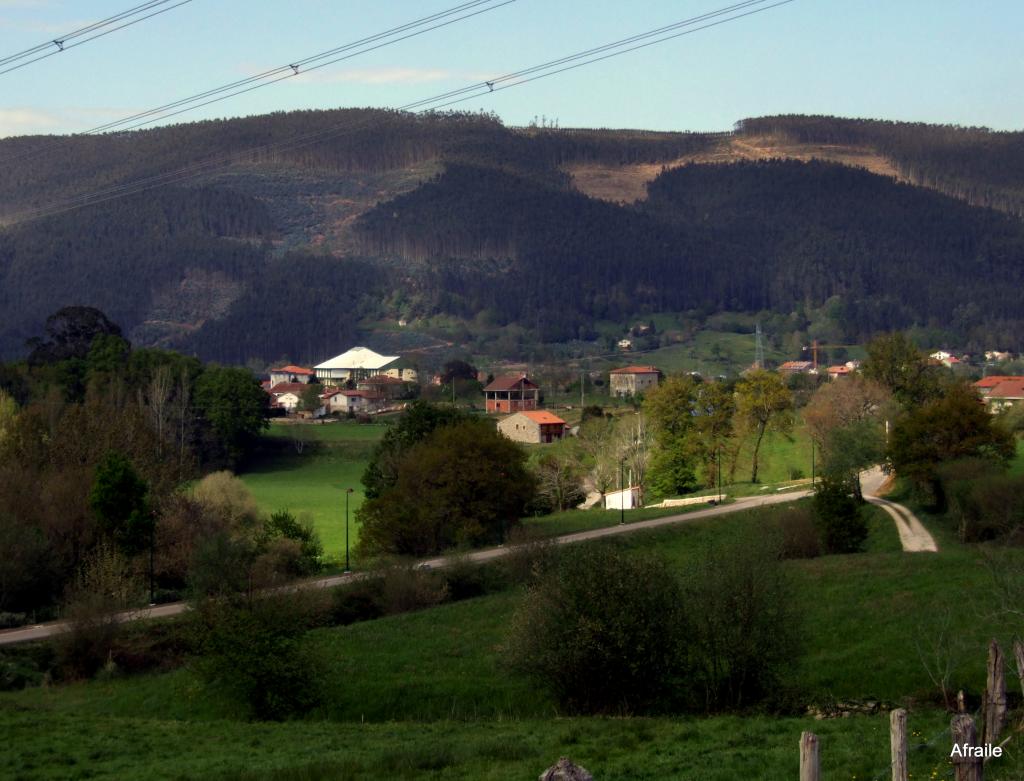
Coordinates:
304 223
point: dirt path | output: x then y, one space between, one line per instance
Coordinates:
42 631
914 537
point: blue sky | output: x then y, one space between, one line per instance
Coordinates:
945 61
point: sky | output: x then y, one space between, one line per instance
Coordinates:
939 61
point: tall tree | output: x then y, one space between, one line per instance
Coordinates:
235 406
120 503
763 403
896 363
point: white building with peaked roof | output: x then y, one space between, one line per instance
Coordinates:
355 364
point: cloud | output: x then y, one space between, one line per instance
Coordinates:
26 121
377 76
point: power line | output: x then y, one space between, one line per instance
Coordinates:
287 71
90 32
479 89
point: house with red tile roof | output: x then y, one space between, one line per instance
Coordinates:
796 367
985 385
291 373
1008 393
512 393
533 426
633 380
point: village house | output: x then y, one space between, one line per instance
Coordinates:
1007 392
625 344
384 386
633 380
946 358
998 356
834 372
286 395
340 401
797 367
291 374
511 393
533 426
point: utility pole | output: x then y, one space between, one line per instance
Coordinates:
583 380
622 494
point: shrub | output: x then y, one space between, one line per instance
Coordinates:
604 632
842 527
746 633
404 588
360 601
256 654
797 532
984 502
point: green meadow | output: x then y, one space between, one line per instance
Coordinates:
425 695
314 481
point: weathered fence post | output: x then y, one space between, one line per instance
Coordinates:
966 768
1018 654
564 770
810 767
995 695
898 743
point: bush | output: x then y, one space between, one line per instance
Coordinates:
842 527
256 654
985 502
358 602
747 635
404 588
797 532
604 632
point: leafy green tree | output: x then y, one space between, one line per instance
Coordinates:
119 501
955 426
232 402
70 333
465 484
841 526
108 355
763 403
419 421
605 632
310 400
896 363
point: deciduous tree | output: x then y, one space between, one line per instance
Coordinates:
763 403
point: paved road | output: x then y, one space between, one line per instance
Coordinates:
914 537
42 631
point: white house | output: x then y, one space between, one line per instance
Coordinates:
345 401
355 364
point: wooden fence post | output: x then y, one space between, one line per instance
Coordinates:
898 743
995 695
1018 654
810 768
965 768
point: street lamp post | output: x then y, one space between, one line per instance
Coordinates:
813 475
622 494
718 463
347 492
152 548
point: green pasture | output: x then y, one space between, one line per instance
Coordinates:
314 481
425 696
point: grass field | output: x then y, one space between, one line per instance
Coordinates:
314 482
424 695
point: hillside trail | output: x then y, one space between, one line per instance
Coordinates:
914 537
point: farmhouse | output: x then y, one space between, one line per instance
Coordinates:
355 364
341 401
534 426
512 393
797 367
834 372
286 394
633 380
291 374
384 386
985 385
1008 393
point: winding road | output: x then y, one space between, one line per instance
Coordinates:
913 536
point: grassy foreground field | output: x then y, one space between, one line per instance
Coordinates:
425 695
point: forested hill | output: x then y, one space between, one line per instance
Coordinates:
303 224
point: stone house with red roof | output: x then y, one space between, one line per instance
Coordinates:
533 426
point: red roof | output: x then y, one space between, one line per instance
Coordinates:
1010 388
636 370
510 382
288 387
797 365
995 379
542 416
293 370
839 369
